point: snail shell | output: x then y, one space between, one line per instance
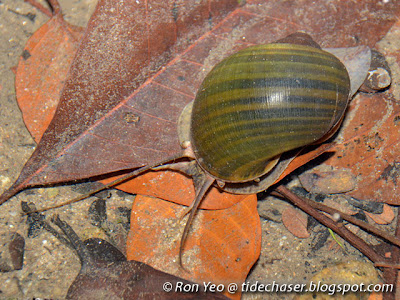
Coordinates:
263 101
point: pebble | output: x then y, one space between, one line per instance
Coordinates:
4 181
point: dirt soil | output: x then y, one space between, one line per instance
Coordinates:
49 266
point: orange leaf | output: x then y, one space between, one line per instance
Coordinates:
176 187
303 158
370 148
221 247
386 217
42 70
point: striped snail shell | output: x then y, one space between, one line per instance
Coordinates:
263 101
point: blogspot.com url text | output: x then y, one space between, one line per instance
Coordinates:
274 287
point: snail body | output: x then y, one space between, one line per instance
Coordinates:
263 101
255 106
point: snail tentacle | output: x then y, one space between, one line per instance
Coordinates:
200 193
122 179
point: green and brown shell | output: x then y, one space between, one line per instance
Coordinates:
263 101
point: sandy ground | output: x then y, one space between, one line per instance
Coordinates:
49 267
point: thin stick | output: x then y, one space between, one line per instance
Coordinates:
387 265
359 223
354 240
41 8
390 275
55 6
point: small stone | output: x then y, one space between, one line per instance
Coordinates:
329 182
4 181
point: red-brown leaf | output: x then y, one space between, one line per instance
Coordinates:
369 141
370 148
120 51
76 147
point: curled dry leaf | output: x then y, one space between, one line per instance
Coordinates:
386 217
106 274
67 155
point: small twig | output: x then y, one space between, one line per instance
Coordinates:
387 265
117 181
354 240
55 6
368 227
40 7
396 254
390 274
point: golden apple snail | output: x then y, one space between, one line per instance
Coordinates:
263 101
